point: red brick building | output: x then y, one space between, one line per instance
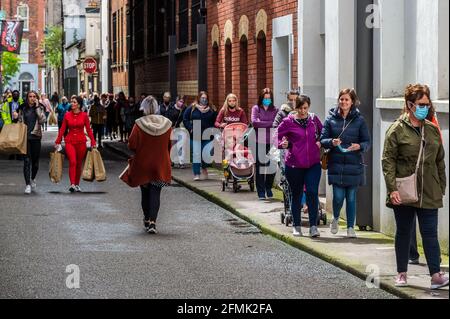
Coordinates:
152 23
119 45
251 44
30 76
246 54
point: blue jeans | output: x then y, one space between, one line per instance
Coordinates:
198 146
428 225
349 194
297 178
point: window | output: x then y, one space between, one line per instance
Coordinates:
139 29
151 28
195 19
22 14
114 39
24 51
183 23
228 68
161 35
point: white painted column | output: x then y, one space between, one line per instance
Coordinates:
443 49
104 45
339 54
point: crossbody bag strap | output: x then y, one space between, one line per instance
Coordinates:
422 140
343 130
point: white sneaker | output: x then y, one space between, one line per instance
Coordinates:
314 232
77 188
196 177
351 233
297 231
334 227
33 184
28 189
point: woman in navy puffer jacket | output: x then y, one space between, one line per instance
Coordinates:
346 134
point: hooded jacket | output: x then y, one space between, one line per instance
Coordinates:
401 150
346 169
284 111
303 151
150 141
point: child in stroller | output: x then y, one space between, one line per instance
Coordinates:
238 163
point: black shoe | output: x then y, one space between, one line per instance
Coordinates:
414 261
152 229
146 225
72 189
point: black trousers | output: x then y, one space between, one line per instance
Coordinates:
150 201
264 177
31 160
97 129
428 225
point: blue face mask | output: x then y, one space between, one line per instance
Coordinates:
421 112
343 150
204 101
267 102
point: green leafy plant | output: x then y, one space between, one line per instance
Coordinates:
52 44
10 66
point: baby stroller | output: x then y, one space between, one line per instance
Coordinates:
286 214
238 163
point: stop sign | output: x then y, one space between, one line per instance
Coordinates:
90 65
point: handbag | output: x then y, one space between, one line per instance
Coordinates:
326 153
13 139
407 186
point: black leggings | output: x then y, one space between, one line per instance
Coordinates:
98 132
150 201
31 160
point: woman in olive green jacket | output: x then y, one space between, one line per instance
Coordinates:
400 156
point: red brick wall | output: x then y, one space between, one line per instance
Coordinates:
152 73
119 70
35 35
221 11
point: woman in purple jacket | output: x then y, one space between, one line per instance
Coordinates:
263 115
300 133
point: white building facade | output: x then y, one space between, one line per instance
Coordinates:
377 47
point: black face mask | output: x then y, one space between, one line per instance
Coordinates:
232 107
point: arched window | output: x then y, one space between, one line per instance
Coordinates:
215 75
261 61
243 73
228 68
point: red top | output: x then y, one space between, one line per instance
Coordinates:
76 124
232 117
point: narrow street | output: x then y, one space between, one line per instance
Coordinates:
201 251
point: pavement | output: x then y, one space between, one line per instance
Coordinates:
201 250
370 257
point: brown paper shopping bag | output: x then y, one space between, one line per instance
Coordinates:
13 139
56 166
99 167
88 169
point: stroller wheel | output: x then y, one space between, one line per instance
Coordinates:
324 219
223 186
235 187
282 218
287 221
252 186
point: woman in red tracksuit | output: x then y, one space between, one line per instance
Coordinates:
75 121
